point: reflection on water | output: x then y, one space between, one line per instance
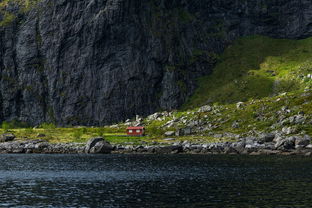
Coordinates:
154 181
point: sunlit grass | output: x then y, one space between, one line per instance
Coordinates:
256 67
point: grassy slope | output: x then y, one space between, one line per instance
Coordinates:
256 67
260 115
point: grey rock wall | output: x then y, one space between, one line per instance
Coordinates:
93 62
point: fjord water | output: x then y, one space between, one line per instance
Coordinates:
155 181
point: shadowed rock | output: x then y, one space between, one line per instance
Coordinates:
91 62
98 146
7 137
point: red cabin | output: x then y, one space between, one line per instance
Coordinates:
136 131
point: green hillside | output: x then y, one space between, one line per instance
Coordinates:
256 67
271 78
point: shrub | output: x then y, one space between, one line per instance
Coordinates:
47 126
14 124
5 126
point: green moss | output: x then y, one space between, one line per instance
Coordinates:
253 68
7 19
23 5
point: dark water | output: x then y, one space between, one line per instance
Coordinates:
155 181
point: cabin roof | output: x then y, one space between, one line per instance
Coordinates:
135 128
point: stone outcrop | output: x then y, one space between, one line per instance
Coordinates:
281 145
7 137
40 147
293 145
98 146
92 62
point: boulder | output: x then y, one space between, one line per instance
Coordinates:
7 137
302 141
266 137
287 143
101 147
184 131
98 145
238 146
230 150
168 149
169 133
153 116
249 140
289 130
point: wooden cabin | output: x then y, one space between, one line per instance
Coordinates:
136 131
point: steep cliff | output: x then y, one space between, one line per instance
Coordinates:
92 62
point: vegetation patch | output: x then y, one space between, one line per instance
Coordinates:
8 15
256 67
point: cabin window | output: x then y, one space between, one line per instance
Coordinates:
138 131
130 131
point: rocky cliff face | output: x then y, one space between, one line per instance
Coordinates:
92 62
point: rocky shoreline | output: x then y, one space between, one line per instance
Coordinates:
267 144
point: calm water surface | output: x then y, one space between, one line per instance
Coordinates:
154 181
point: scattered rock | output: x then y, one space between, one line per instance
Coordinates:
169 133
239 105
235 125
169 139
289 130
287 143
184 131
204 109
302 141
7 137
266 137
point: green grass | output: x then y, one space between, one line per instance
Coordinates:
256 67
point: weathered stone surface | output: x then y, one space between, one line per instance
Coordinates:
92 62
169 133
302 141
39 146
7 137
206 108
266 137
168 149
184 131
98 145
287 143
101 147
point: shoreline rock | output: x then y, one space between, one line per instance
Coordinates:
264 145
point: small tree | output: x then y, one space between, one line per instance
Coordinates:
5 126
